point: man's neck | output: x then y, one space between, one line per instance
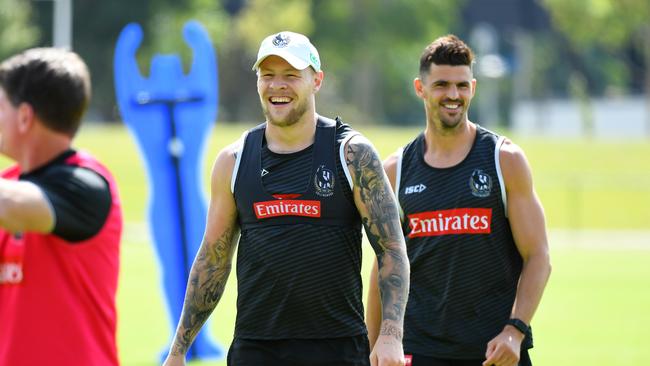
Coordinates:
296 137
40 150
449 148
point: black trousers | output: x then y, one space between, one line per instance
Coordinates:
347 351
418 360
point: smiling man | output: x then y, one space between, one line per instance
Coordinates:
474 227
294 192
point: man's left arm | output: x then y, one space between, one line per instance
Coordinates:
24 207
527 222
378 209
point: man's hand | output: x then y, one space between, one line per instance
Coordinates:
503 350
387 352
174 361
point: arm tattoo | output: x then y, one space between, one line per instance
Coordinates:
375 194
204 289
391 330
381 220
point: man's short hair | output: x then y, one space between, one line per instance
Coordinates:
55 82
446 50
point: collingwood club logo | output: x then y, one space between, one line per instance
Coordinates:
480 183
281 40
324 181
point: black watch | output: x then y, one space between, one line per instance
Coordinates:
520 325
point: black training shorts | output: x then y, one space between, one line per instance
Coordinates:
348 351
419 360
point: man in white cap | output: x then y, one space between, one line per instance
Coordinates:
298 187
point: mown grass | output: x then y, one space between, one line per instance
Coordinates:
594 311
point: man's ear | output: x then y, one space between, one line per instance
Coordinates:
26 117
318 80
417 85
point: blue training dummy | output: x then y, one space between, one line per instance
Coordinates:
170 114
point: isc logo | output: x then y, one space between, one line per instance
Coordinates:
415 189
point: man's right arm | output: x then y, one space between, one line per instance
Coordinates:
213 261
373 308
24 207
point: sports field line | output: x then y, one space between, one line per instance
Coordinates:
138 232
595 239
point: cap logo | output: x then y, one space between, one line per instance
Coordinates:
314 60
281 40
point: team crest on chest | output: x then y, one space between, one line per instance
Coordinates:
480 183
324 181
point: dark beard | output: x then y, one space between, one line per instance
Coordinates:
450 126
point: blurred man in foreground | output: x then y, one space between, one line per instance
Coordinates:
60 220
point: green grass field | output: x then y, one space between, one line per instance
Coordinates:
597 200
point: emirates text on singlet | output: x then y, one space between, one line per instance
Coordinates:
268 209
455 221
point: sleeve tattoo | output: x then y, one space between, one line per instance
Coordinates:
206 284
382 225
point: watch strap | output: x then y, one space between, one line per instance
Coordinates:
520 325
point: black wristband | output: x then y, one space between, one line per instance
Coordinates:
520 325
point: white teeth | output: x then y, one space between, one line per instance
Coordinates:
451 106
280 99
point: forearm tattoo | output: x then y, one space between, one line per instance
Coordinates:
206 284
381 221
391 330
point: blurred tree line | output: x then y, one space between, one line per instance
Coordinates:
369 48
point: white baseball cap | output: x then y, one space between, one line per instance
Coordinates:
295 48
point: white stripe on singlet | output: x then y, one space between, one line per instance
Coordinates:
344 164
398 178
235 169
497 163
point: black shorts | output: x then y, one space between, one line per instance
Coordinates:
348 351
418 360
